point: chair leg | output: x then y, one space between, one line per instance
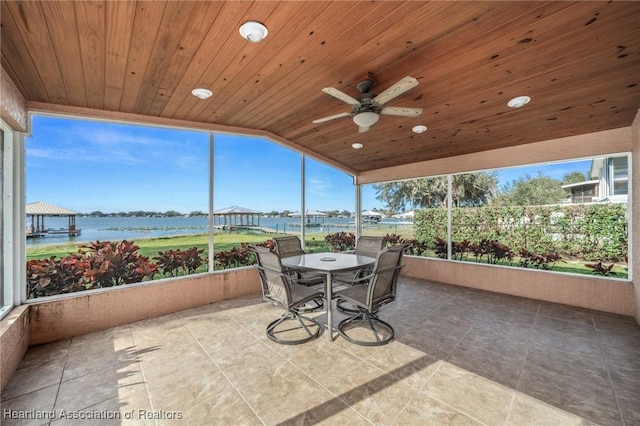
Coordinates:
375 324
315 305
289 316
345 307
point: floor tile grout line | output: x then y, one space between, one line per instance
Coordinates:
444 402
64 367
448 357
512 390
526 352
287 360
606 366
510 409
229 381
415 395
404 407
144 378
329 391
320 384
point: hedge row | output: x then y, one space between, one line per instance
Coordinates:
596 232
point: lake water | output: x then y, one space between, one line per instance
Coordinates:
133 228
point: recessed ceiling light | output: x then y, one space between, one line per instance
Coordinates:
202 93
419 129
518 102
357 145
253 31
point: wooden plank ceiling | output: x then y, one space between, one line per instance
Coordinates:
578 61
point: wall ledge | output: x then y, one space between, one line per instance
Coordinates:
590 292
86 312
14 341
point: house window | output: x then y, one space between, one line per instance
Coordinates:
620 188
620 168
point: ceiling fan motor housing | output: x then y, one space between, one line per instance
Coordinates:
367 103
366 85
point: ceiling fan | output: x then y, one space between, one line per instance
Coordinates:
367 106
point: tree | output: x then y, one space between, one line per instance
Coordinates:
470 189
532 191
574 177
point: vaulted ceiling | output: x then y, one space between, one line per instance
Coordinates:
578 61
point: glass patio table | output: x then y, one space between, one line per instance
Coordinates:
328 263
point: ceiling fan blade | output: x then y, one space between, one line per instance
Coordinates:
363 129
396 90
341 95
331 117
401 111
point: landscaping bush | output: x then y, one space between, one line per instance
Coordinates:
95 265
234 258
341 241
105 264
596 232
174 263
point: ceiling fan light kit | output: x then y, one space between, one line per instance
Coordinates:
366 119
253 31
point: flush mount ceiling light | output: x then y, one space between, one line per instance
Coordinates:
253 31
518 102
202 93
357 145
366 119
419 129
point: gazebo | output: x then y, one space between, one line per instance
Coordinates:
234 217
309 214
370 216
406 215
39 210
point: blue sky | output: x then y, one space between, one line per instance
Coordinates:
97 166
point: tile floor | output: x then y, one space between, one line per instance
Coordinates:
460 357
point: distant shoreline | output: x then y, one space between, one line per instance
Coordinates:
135 228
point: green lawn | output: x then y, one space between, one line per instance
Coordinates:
573 267
151 246
223 242
314 243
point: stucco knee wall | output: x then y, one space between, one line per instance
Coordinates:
57 319
14 341
605 295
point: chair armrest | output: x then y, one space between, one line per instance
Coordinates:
365 279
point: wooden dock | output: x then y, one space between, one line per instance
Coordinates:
37 233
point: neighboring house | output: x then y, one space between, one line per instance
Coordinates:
609 183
